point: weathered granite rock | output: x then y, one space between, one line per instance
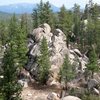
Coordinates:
71 98
92 83
53 96
56 45
57 48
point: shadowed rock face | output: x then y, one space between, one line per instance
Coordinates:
56 44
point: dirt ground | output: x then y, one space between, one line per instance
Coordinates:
36 92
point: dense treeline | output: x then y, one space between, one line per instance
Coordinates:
81 28
84 24
13 44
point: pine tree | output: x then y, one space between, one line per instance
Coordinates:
93 64
48 14
66 71
21 41
10 88
18 36
43 62
14 59
65 20
92 30
86 12
3 33
40 12
24 23
43 14
21 47
76 20
35 17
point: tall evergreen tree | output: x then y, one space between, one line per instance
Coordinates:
24 23
66 71
14 58
43 14
86 12
40 12
76 20
65 20
35 17
43 62
17 36
21 47
93 64
3 33
10 88
48 14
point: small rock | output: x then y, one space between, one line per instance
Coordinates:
1 76
29 94
53 96
92 83
78 52
23 83
96 91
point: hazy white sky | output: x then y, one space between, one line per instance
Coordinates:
58 3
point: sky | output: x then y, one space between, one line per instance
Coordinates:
58 3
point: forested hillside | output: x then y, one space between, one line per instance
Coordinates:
55 55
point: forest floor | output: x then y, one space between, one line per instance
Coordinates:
36 92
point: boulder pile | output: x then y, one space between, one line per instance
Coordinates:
56 45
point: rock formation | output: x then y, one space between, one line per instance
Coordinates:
57 48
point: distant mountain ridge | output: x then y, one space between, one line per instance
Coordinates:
22 8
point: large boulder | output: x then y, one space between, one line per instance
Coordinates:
38 33
59 33
71 98
35 50
46 27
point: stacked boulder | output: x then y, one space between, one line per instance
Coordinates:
57 48
56 45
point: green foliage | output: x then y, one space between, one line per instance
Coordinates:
1 98
5 16
43 14
14 58
86 12
90 97
65 20
76 19
35 18
10 88
93 64
66 71
12 29
21 47
3 33
90 32
94 11
48 16
24 23
17 36
43 62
